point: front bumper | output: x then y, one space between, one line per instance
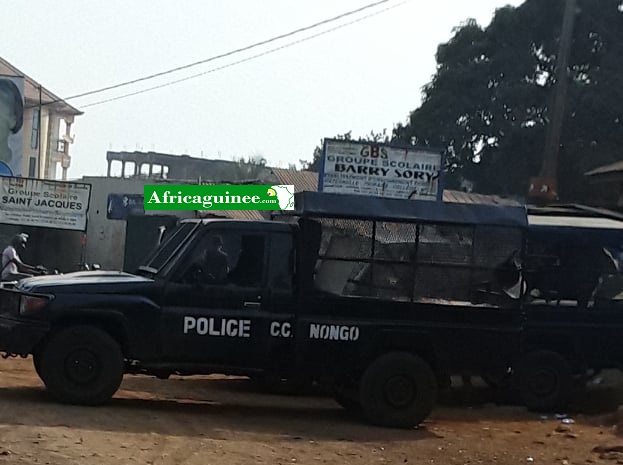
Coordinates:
20 336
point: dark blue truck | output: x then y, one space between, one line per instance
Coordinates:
376 299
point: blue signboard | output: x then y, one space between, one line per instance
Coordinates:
120 206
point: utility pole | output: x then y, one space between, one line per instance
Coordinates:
545 186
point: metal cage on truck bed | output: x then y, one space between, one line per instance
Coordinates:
412 251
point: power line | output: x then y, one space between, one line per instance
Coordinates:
224 55
253 57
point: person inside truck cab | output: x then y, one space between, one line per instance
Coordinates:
13 269
215 264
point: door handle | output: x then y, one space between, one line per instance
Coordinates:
252 304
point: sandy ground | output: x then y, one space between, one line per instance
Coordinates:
216 420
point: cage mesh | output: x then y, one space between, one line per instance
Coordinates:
346 238
445 245
493 246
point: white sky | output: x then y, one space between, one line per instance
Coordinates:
363 77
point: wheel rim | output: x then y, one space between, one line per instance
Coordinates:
543 382
82 366
400 391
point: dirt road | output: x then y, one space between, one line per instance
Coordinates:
216 420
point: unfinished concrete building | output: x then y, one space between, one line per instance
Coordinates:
182 167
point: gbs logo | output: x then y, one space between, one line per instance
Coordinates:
373 151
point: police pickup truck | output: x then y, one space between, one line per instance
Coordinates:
375 298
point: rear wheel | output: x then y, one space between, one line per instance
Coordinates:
81 365
398 390
545 381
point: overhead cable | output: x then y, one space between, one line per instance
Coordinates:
223 55
253 57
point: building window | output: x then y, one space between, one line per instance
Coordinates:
34 136
32 167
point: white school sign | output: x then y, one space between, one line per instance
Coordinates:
379 170
49 204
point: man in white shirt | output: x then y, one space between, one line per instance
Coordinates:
13 269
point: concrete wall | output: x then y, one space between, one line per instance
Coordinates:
106 238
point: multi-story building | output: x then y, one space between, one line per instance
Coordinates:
46 131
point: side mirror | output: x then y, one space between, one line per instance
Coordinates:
95 266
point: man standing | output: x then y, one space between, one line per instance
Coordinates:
13 269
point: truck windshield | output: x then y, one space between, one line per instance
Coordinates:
167 249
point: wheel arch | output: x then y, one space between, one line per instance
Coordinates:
110 322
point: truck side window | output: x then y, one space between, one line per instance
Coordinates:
225 258
248 268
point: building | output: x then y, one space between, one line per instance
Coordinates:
47 128
181 167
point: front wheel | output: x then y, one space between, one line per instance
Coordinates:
398 390
81 365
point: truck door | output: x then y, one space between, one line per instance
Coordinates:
279 305
218 303
213 300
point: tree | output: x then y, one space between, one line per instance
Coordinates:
489 102
252 167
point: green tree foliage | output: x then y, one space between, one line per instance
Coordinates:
489 102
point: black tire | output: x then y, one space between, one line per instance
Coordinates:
82 365
545 381
398 390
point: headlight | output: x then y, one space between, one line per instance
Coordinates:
29 304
